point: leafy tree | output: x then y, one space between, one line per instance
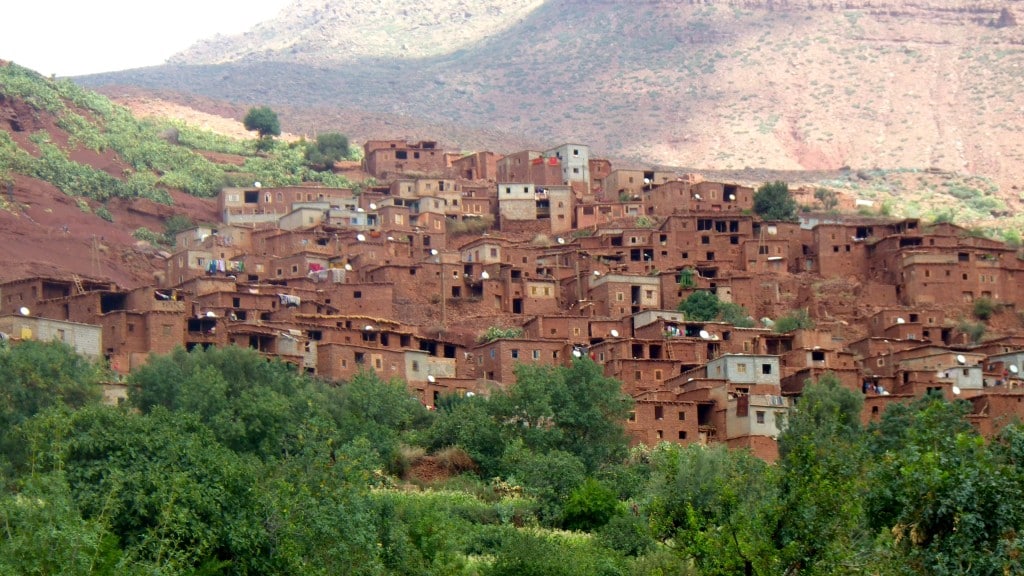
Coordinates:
716 506
984 308
795 320
590 506
735 314
262 120
823 465
686 278
949 500
772 201
38 375
829 198
328 149
701 306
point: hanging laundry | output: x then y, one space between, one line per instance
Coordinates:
289 300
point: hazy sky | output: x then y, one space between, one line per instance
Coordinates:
73 37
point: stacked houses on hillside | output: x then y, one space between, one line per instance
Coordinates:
404 278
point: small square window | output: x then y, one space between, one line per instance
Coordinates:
760 416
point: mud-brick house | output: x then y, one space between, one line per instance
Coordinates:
913 323
27 292
622 295
85 339
497 360
660 416
640 374
632 184
477 166
530 166
574 160
600 168
590 214
386 159
569 328
995 408
257 205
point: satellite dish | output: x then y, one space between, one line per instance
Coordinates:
647 180
470 394
961 359
901 321
561 240
433 251
485 275
697 196
597 273
391 238
348 267
361 237
732 196
210 314
360 210
689 379
614 333
373 206
705 335
576 352
1013 369
24 311
368 328
256 184
956 390
431 379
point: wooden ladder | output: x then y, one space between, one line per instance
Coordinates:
78 283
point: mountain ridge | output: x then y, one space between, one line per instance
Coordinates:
717 85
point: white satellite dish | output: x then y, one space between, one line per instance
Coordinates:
391 238
647 180
348 267
256 184
961 359
697 196
901 321
1013 369
361 237
431 379
433 251
24 311
360 210
956 390
576 352
485 275
368 327
470 394
561 240
614 333
689 379
210 314
597 273
373 206
732 197
705 335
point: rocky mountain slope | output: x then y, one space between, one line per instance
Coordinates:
716 84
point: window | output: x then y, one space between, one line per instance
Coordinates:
357 294
741 368
166 329
759 414
682 416
515 353
766 368
682 434
659 412
536 354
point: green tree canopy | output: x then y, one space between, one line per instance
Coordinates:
702 306
37 375
772 201
328 149
262 120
